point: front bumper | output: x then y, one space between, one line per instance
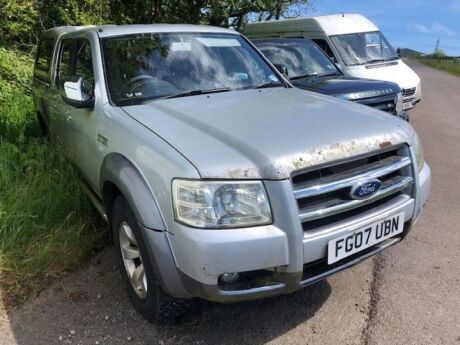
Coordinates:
279 258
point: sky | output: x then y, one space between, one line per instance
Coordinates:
414 24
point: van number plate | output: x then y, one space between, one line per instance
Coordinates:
407 105
365 237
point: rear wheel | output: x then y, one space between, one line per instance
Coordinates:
43 127
143 288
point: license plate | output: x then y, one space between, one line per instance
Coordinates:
407 105
365 237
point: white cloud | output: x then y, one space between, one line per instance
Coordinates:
455 5
435 27
438 27
419 28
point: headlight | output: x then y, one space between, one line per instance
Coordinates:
417 145
398 103
220 204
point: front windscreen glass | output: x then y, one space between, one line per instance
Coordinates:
364 47
302 58
146 67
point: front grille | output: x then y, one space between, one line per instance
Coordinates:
408 92
323 193
382 103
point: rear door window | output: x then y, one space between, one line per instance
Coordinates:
43 60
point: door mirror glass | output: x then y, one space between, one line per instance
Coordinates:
75 93
282 69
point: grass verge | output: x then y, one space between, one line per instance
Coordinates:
47 225
450 67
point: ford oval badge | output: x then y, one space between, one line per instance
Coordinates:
365 189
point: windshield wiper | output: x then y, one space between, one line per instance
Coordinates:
303 76
316 76
144 100
194 93
268 84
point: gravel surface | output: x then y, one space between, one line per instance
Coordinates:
418 283
408 295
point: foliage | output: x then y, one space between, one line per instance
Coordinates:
22 20
46 223
439 52
16 106
450 66
17 22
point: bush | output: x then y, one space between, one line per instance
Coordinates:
16 107
46 222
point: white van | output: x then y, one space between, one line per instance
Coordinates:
354 43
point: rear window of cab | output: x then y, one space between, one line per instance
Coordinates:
43 59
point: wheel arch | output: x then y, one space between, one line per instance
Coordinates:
120 176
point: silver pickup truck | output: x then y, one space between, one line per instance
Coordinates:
220 179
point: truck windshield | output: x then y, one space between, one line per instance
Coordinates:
364 47
146 67
301 57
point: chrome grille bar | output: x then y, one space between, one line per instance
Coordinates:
334 206
375 170
409 92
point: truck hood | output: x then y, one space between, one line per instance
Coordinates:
347 87
394 71
267 133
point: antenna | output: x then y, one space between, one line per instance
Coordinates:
436 47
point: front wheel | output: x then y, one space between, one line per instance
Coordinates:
144 290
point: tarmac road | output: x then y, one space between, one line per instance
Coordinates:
408 295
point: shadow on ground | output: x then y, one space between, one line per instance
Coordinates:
91 307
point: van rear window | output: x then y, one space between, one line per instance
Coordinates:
43 60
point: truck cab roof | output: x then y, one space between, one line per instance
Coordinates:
335 24
118 30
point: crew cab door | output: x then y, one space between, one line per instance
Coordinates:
41 82
78 125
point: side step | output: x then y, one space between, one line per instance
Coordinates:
95 201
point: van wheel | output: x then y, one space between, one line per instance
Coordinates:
143 288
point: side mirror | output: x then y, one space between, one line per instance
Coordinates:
398 52
282 69
75 93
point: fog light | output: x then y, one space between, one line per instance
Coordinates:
229 278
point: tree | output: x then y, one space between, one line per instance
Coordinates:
236 12
21 21
17 22
439 52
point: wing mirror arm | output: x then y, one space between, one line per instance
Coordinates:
75 93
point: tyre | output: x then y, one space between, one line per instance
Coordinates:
136 267
43 127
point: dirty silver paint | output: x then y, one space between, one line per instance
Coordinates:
266 134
